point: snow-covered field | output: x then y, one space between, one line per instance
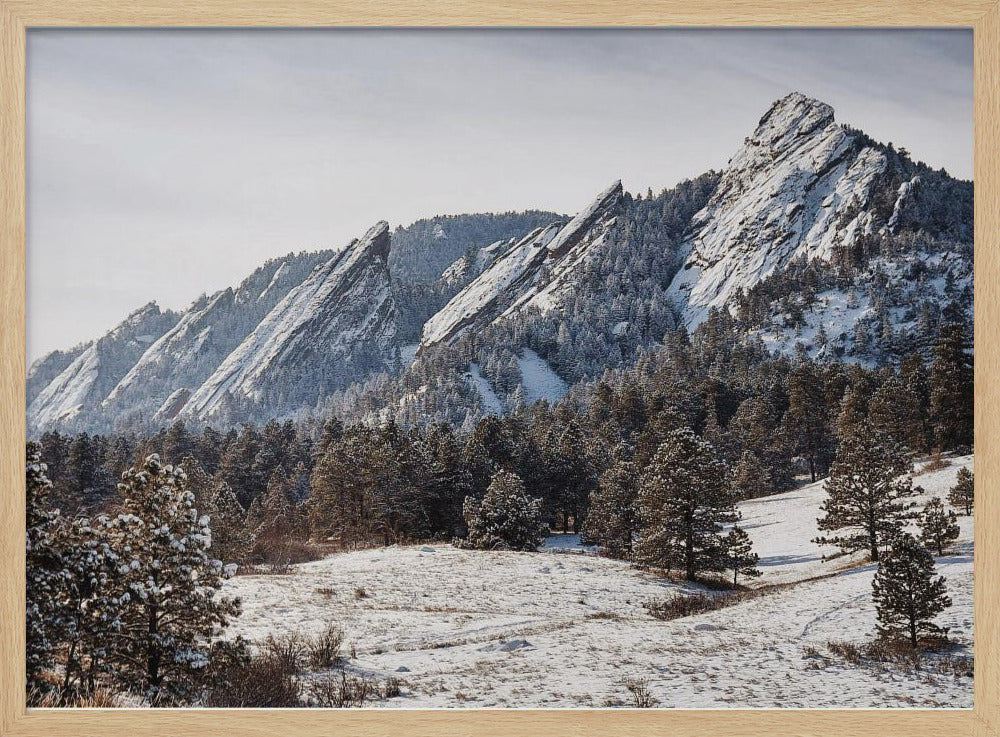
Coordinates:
565 628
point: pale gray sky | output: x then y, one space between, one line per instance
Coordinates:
163 164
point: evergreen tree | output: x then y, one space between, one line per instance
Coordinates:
906 593
895 411
91 602
171 583
739 555
612 520
684 496
88 483
751 479
867 493
806 418
951 388
232 540
450 482
962 494
178 443
938 526
919 433
44 571
506 518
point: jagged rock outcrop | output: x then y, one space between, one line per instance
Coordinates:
183 358
535 271
335 327
68 398
799 186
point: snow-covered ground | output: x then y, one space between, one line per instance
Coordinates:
565 628
538 378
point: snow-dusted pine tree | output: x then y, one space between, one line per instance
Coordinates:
938 526
907 595
90 603
963 493
867 492
506 518
232 540
44 571
684 496
171 582
751 478
739 554
612 519
951 390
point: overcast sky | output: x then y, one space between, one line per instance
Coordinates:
165 164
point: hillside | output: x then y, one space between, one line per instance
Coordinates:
564 628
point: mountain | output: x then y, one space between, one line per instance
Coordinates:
294 330
184 357
96 369
422 250
336 326
533 272
802 187
814 240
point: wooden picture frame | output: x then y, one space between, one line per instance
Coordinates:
17 16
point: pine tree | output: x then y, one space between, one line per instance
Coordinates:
951 388
806 418
450 482
907 596
171 582
867 493
178 443
938 526
612 519
44 571
506 518
684 496
739 555
232 540
91 601
963 493
751 479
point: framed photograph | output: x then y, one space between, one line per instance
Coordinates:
446 369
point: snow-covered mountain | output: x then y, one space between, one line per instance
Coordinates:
800 187
535 271
293 331
814 237
186 355
336 326
95 370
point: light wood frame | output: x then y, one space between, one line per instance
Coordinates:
18 15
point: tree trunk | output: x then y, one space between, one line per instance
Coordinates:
153 651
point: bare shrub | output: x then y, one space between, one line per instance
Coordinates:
675 607
392 688
899 653
289 649
641 697
936 463
278 553
265 682
325 591
324 648
360 592
341 691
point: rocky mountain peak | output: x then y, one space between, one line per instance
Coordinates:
799 186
